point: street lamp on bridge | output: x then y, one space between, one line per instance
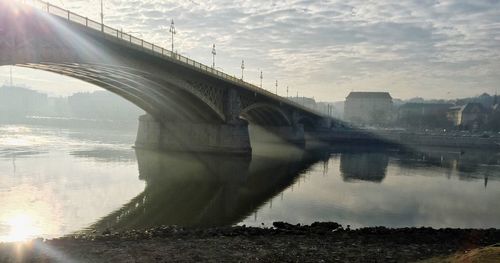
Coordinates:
261 79
242 68
11 82
173 32
102 16
213 56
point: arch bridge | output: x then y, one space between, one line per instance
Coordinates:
189 106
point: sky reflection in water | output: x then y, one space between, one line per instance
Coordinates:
55 182
394 190
48 191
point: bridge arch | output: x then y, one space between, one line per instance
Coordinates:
165 100
266 114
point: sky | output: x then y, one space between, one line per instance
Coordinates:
322 49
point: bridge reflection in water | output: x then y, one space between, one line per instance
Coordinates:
212 190
207 190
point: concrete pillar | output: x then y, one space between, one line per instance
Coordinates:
322 132
193 137
325 123
278 134
148 133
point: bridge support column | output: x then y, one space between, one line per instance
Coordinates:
322 131
193 137
279 134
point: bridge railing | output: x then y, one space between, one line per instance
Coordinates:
140 43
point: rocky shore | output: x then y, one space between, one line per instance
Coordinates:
318 242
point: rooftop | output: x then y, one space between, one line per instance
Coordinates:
369 95
468 107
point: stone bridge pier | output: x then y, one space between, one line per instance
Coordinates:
259 123
230 136
193 137
291 131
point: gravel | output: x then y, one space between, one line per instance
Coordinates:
318 242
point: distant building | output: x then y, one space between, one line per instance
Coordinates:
304 101
326 108
331 109
423 109
102 105
469 116
493 122
19 102
424 115
368 108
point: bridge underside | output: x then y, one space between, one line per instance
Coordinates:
187 108
160 97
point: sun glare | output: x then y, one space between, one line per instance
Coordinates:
14 4
22 141
22 228
18 136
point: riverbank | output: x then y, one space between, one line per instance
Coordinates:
319 242
453 139
490 254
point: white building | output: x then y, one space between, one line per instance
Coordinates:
368 108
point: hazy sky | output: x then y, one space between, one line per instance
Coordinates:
325 49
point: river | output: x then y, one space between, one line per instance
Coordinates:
59 181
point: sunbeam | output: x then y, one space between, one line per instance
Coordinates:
23 227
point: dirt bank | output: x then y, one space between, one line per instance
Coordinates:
319 242
490 254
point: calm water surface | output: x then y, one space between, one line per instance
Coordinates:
56 181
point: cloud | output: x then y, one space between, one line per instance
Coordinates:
328 48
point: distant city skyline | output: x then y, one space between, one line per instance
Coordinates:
322 49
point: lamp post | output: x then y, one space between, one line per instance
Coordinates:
242 68
173 32
261 79
11 82
276 87
102 16
213 56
